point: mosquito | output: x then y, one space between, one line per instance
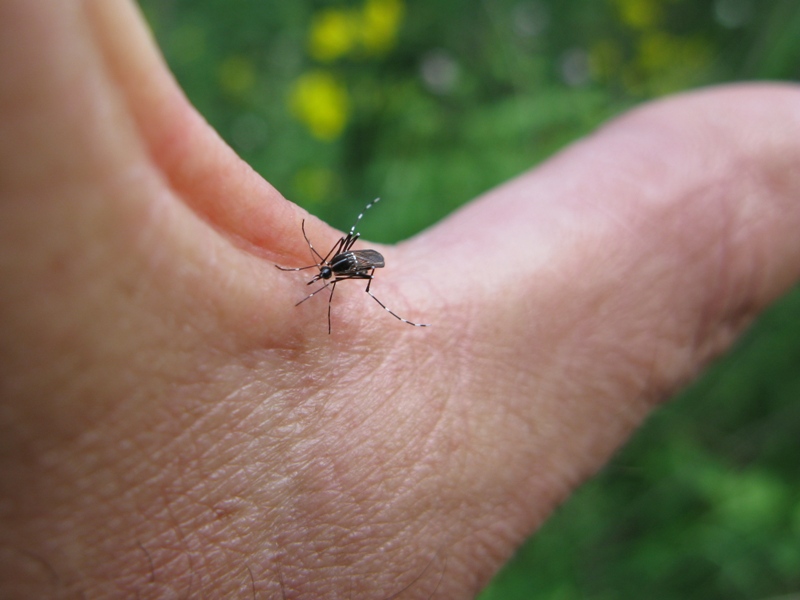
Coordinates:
342 263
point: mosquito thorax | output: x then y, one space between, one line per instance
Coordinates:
343 263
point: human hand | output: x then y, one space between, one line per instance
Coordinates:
171 425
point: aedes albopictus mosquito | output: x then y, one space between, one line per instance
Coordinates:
342 262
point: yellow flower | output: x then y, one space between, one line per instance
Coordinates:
334 33
381 23
320 101
372 30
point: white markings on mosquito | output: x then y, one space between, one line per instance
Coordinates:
342 263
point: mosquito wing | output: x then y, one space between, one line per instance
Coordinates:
367 259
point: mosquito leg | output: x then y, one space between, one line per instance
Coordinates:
330 301
387 309
296 268
312 294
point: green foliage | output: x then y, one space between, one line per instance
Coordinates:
429 104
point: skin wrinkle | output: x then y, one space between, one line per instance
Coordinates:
631 355
565 362
372 520
419 577
485 543
181 550
404 462
719 254
624 281
714 332
349 469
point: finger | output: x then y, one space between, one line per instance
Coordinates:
204 173
592 288
202 170
684 211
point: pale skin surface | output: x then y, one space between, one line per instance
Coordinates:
172 426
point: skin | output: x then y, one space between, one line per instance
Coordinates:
172 426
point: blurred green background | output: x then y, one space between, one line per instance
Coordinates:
430 103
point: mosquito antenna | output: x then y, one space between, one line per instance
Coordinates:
361 214
310 245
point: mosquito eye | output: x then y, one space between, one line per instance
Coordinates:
325 272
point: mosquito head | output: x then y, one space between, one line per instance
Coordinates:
324 273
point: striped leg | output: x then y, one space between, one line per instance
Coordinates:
330 301
387 309
327 284
315 292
